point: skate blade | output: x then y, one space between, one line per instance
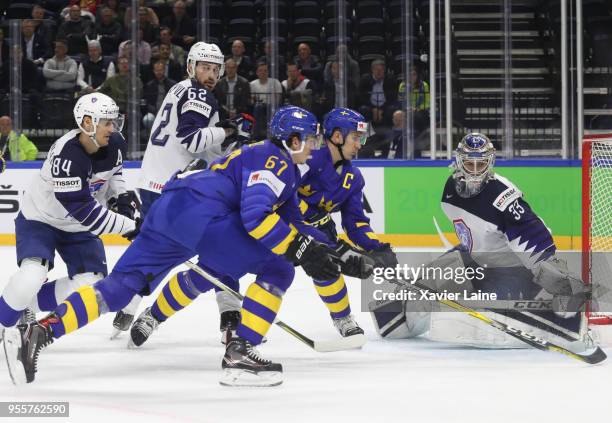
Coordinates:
131 345
12 343
239 377
116 333
349 343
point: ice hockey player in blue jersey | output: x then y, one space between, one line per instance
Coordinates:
186 127
344 189
333 184
228 215
497 229
64 210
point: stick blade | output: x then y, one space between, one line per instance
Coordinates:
342 344
595 357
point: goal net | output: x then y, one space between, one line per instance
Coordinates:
597 224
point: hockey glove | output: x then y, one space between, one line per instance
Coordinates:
242 126
384 256
134 232
316 259
125 204
352 262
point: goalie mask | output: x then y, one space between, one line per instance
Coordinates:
474 161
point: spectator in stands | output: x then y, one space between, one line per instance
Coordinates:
419 100
36 47
145 13
282 67
60 71
148 26
262 90
244 62
45 28
88 5
154 93
30 80
233 92
118 86
176 52
144 50
172 69
19 147
352 67
108 31
76 30
298 89
328 98
378 93
311 65
116 7
183 27
94 70
395 147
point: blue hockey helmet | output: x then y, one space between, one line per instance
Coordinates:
474 160
346 121
292 120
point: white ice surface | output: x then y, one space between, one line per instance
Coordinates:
174 377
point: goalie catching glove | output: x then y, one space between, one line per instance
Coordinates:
242 126
316 259
352 262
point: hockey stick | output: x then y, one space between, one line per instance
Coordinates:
444 240
342 344
597 356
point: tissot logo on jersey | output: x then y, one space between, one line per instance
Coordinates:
196 106
267 178
67 184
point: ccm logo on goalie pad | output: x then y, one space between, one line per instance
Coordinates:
196 106
67 184
505 198
267 178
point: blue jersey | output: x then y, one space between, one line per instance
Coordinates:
71 191
325 188
260 182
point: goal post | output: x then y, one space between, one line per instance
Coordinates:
597 220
